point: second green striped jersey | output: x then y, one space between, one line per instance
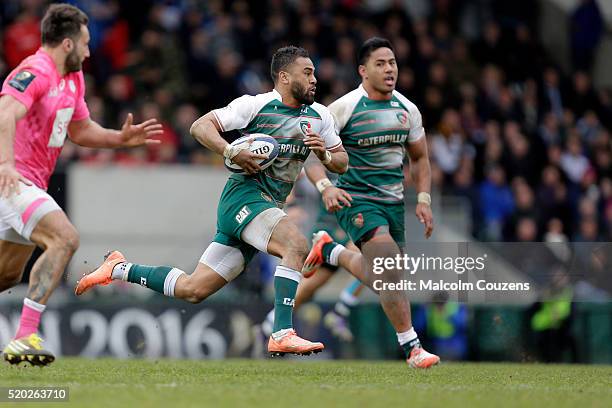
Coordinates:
266 113
374 134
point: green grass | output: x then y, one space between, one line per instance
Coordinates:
315 384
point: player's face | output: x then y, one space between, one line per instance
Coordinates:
302 81
80 51
380 70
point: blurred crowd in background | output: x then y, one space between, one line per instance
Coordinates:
527 144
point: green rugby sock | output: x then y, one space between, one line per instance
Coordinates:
286 281
331 251
161 279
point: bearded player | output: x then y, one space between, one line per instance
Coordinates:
378 126
250 215
42 101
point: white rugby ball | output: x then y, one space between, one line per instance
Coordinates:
258 143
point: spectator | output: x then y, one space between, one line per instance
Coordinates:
496 202
552 98
586 30
448 146
573 162
526 230
583 97
525 208
22 37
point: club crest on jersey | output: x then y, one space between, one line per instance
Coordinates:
266 197
305 127
22 80
402 117
358 220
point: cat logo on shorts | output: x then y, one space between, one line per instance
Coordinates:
358 220
305 127
242 214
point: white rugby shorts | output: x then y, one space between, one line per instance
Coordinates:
20 213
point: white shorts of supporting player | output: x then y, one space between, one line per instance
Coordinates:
228 261
20 213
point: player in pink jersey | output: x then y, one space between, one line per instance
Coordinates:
42 102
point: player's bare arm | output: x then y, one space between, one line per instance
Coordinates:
336 160
89 133
334 198
206 131
421 175
11 110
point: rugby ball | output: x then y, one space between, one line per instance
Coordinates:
257 143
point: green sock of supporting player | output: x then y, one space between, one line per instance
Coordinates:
286 281
161 279
331 251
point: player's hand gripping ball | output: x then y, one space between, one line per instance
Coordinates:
263 151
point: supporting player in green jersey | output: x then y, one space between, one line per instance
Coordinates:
250 215
378 126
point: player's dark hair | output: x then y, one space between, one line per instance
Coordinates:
284 57
61 21
371 45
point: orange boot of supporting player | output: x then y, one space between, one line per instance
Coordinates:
102 275
315 256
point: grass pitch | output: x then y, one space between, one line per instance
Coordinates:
314 384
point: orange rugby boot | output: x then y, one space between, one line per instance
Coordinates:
315 256
292 343
101 276
419 358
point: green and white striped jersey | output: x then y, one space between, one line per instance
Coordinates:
265 113
374 134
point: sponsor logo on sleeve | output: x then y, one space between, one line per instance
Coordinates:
242 214
22 80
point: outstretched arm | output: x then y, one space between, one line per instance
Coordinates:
88 133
